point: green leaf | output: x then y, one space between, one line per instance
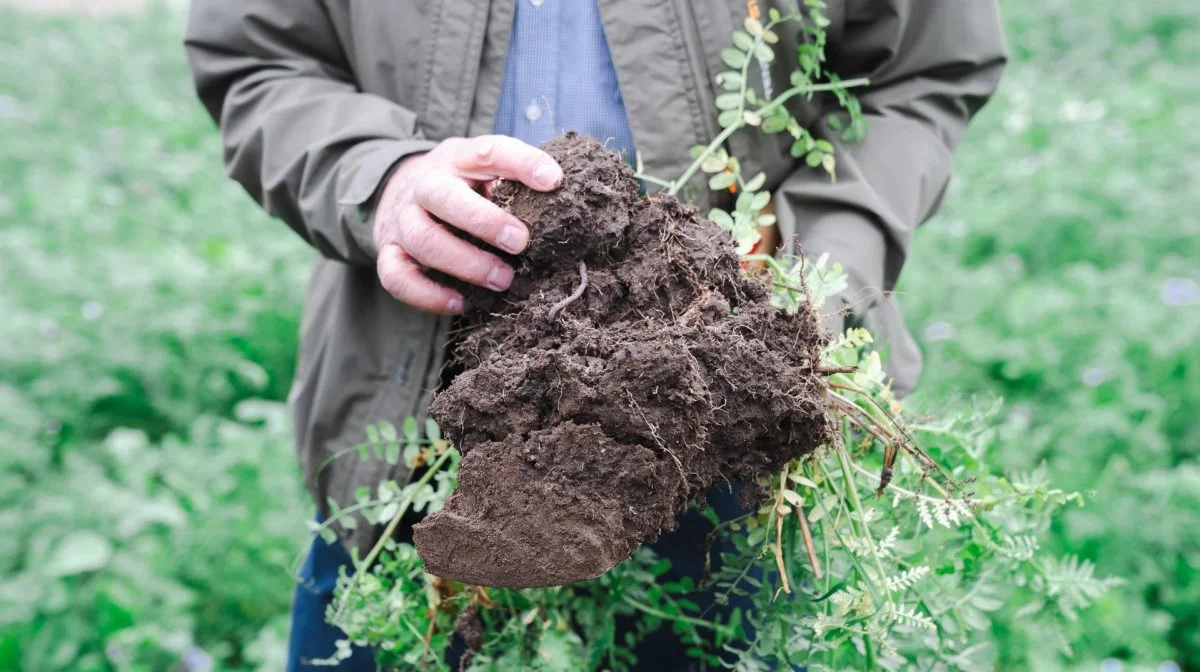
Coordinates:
753 26
764 52
720 218
697 151
751 118
798 149
761 200
807 63
432 431
813 158
731 80
363 453
362 495
774 15
733 58
721 181
742 41
712 164
387 431
391 454
770 37
801 480
825 146
767 219
728 118
744 201
388 512
986 603
348 522
78 553
728 101
774 124
757 536
372 433
411 433
756 182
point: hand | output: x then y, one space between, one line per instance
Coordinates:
428 192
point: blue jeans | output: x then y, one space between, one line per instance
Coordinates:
312 638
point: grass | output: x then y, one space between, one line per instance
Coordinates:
148 495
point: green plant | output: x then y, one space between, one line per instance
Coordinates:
1066 247
150 501
873 554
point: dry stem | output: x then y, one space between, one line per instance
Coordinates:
808 544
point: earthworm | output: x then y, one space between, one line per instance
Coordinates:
558 307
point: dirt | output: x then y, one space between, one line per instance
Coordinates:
585 434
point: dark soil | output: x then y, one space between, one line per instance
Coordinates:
583 436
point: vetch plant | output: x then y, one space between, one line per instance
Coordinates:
892 545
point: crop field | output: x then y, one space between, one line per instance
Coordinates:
150 504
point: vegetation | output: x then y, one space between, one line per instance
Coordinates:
150 507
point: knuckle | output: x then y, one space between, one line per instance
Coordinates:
433 193
480 222
421 241
485 151
394 282
450 145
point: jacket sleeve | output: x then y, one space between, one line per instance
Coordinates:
297 132
932 64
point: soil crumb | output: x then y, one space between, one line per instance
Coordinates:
586 431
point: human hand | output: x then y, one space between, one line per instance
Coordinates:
428 192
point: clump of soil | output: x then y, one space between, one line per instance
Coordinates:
586 428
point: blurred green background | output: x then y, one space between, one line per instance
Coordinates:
149 500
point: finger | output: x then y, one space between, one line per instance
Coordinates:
432 245
488 157
402 278
460 206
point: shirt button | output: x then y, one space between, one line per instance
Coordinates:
533 112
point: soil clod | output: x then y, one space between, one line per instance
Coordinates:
584 438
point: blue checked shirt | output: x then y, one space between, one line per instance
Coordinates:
559 77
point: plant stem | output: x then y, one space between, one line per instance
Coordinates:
699 623
653 180
870 652
852 490
391 528
808 543
783 577
708 151
733 128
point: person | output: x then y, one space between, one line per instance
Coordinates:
372 128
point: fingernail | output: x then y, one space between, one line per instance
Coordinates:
454 305
547 175
500 278
513 239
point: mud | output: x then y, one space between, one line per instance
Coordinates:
585 433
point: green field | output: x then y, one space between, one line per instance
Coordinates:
149 501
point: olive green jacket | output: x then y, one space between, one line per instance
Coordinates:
318 99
